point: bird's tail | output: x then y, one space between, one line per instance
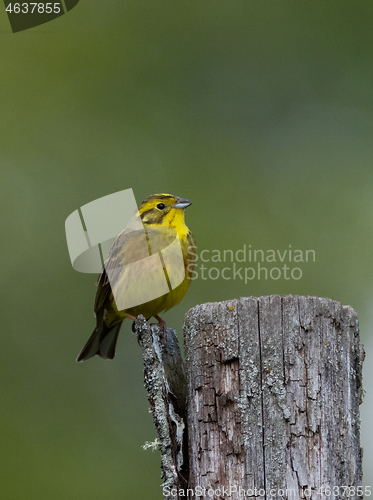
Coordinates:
102 342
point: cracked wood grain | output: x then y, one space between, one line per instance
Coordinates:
274 386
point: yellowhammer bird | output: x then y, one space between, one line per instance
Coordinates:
148 271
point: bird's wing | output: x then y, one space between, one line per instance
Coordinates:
130 246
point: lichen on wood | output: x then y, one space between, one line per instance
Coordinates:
166 387
274 390
269 408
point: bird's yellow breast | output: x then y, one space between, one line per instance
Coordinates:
160 239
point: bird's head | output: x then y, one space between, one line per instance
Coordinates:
163 210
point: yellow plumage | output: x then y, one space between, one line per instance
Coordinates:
130 273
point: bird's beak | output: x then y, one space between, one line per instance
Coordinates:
182 203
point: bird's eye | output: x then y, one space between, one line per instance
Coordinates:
161 206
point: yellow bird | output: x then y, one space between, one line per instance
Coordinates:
142 261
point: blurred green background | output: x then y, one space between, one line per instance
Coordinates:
261 113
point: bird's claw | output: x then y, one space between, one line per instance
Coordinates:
162 326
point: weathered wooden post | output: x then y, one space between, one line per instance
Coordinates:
274 386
